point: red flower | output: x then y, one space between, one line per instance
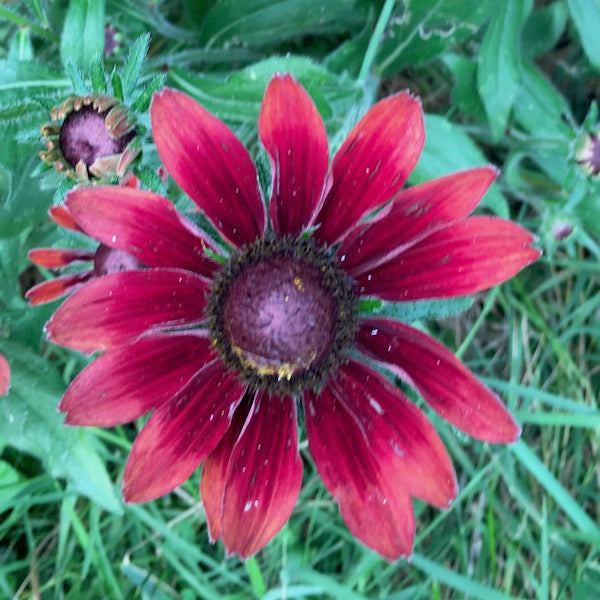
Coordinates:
103 260
4 375
222 350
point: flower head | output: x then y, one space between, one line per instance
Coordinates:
101 261
4 375
221 344
588 156
90 137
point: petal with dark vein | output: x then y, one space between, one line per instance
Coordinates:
181 434
50 290
53 258
443 381
210 164
399 433
463 258
116 309
415 213
126 383
142 224
375 503
372 164
264 476
294 136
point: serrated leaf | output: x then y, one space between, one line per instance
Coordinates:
261 22
409 312
420 31
586 16
135 61
26 87
448 149
30 422
82 37
498 72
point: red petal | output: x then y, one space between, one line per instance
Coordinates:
264 476
115 309
463 258
372 165
56 288
399 434
143 224
126 383
4 375
52 258
415 213
294 136
181 434
61 216
214 473
443 381
210 164
374 501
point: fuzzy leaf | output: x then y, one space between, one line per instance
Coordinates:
135 61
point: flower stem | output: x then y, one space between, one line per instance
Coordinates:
373 47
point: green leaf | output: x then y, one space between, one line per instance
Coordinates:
261 22
586 16
133 66
409 312
11 481
25 88
448 149
30 422
543 28
464 91
421 31
22 202
498 73
237 99
82 37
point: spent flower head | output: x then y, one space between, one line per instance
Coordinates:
90 137
223 342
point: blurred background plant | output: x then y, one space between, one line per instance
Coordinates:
508 82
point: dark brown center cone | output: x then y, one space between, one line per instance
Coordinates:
84 136
278 316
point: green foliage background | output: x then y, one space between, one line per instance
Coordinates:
508 82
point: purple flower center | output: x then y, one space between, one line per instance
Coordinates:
85 137
282 314
108 260
279 317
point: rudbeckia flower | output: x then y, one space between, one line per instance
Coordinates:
4 375
222 341
101 261
90 137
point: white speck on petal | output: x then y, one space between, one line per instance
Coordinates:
374 331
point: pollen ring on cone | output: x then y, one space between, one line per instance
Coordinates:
282 314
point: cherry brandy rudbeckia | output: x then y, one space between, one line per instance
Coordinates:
222 350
